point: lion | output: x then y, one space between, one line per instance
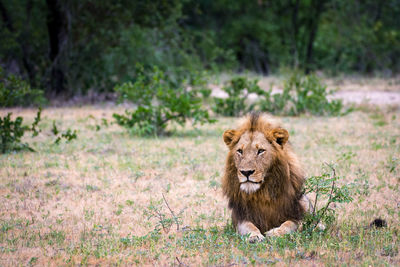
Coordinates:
263 179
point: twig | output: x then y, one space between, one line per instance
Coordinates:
332 168
180 263
173 214
161 219
316 200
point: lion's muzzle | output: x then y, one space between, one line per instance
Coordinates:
250 181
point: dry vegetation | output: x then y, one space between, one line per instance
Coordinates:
99 199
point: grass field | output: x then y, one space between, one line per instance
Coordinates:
100 199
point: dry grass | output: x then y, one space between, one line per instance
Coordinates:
90 201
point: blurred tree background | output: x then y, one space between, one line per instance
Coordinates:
68 47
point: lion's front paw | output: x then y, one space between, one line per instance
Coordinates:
274 232
285 228
254 238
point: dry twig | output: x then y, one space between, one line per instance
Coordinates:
172 213
179 262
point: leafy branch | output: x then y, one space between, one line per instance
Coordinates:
68 135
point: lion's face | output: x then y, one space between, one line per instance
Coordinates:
252 159
253 153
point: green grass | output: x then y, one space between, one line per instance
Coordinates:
99 199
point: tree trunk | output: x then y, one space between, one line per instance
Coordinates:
57 25
25 47
295 25
6 18
15 63
317 5
12 64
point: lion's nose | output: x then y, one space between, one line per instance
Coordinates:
247 173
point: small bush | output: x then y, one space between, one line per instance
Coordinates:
302 94
160 99
238 90
326 190
11 132
163 220
16 92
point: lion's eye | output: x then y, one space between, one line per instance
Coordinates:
240 151
260 151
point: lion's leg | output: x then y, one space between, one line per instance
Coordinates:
285 228
306 204
247 227
290 226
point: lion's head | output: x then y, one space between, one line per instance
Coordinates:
254 153
259 155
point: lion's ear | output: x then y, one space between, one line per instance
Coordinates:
280 136
228 136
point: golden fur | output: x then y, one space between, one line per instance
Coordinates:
269 199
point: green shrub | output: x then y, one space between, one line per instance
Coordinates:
302 94
238 90
11 132
16 92
327 190
160 98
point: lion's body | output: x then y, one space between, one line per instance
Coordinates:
271 195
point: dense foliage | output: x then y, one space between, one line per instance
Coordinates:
160 98
69 47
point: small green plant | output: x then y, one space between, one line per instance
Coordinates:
164 221
16 92
393 163
11 132
68 135
328 191
238 89
159 99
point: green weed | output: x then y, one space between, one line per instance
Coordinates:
11 132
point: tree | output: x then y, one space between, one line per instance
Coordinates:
57 25
317 7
